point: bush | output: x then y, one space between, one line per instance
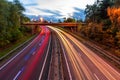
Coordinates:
117 52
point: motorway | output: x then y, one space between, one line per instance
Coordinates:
84 64
56 55
29 63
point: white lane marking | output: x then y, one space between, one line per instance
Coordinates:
50 68
39 44
65 56
67 63
80 54
33 53
16 55
45 60
96 76
15 78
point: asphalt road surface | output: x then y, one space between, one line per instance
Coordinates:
84 64
72 60
29 63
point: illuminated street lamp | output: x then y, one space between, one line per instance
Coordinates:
41 19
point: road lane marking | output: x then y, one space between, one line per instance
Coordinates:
16 55
79 54
45 60
27 57
69 72
105 70
15 78
96 76
18 74
33 49
42 39
39 44
13 57
67 63
33 53
22 68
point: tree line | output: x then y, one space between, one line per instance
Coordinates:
103 23
11 17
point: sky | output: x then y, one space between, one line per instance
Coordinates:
60 8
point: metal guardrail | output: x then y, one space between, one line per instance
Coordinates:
3 57
101 51
105 53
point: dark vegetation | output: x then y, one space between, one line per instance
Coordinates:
103 24
11 17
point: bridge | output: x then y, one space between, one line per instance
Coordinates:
35 25
53 24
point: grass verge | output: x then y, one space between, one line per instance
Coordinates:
5 51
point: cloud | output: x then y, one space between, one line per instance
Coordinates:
77 9
64 8
79 15
31 4
53 12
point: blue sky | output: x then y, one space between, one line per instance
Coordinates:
61 8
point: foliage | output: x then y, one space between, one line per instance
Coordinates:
114 14
59 21
103 23
118 39
117 3
10 17
98 11
69 20
91 11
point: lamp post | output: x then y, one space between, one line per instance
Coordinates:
41 20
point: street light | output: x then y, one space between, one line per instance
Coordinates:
41 19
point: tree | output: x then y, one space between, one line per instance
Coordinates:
10 13
69 20
114 14
20 9
4 35
90 12
103 8
19 5
117 3
98 11
59 21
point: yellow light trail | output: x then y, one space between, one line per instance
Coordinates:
79 66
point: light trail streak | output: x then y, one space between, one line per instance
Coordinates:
45 60
96 77
15 78
67 64
78 63
106 69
